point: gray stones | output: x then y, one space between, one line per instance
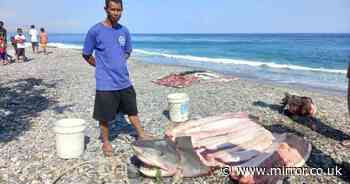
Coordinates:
61 85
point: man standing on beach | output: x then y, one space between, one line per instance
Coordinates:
114 92
20 40
44 39
346 143
3 32
34 38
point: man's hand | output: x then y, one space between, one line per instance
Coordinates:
127 55
90 59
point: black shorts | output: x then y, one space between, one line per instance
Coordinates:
35 44
20 52
109 103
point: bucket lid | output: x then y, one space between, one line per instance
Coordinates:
177 96
70 123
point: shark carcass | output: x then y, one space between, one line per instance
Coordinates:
234 140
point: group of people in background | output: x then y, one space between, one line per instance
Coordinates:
34 39
18 43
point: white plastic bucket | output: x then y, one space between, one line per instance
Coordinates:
69 138
178 107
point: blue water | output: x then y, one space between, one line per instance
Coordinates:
316 60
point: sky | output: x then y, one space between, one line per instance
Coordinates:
184 16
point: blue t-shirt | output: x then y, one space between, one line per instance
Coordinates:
110 46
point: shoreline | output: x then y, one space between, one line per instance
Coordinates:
304 87
36 94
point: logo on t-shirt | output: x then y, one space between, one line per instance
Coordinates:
122 40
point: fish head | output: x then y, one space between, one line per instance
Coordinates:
159 153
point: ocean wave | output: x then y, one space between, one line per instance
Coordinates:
57 45
239 62
64 45
211 60
197 41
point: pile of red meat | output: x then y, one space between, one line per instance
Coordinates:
176 80
185 79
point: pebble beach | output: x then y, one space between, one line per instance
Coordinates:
36 94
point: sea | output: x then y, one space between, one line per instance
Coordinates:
313 60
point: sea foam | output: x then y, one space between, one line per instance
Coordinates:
239 62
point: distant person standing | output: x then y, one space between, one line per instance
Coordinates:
346 143
3 54
43 39
34 38
3 32
20 40
348 76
